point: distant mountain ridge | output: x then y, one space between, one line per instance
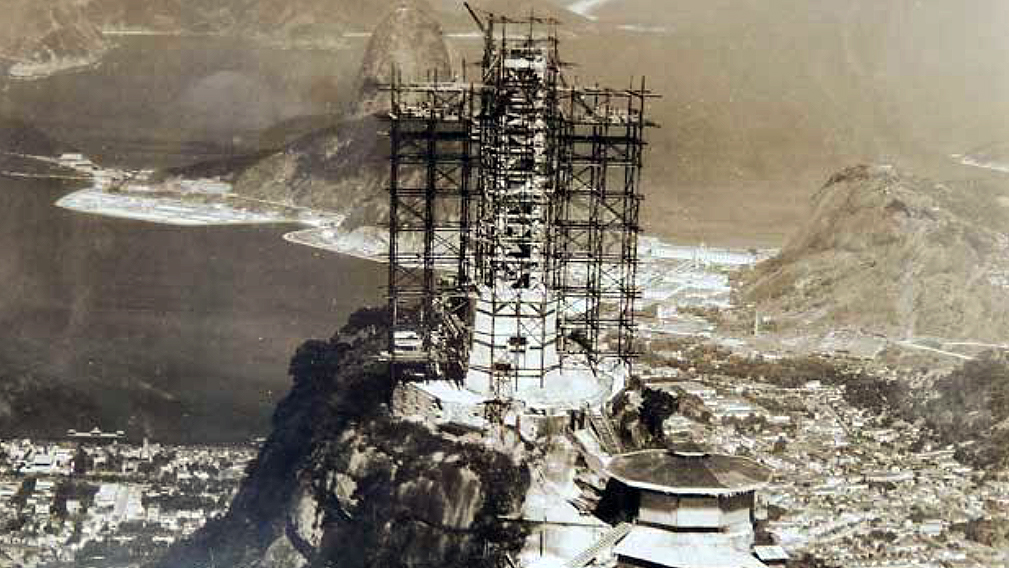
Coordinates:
759 99
65 33
312 22
294 21
40 38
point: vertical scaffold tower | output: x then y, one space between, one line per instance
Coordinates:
513 223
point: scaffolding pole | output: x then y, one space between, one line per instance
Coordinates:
513 216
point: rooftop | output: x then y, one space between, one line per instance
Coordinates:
689 473
771 553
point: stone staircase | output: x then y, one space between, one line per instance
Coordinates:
608 541
608 439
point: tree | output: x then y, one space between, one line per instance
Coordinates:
779 446
82 462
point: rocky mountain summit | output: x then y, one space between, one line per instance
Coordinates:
889 253
342 482
347 480
408 43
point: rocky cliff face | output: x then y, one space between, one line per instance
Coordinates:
341 168
341 482
40 38
890 253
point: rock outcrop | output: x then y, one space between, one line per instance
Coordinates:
341 482
885 252
642 411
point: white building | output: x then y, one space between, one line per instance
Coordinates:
693 509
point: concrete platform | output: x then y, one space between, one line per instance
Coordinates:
563 389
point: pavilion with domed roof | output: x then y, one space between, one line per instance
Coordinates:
690 508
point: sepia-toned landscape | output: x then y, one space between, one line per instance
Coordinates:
605 283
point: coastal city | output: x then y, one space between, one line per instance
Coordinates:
100 499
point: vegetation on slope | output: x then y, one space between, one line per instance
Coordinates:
972 405
968 406
339 468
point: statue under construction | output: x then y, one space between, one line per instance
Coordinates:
513 225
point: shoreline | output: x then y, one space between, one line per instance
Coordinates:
211 202
24 71
76 202
29 71
968 161
323 231
302 237
262 39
